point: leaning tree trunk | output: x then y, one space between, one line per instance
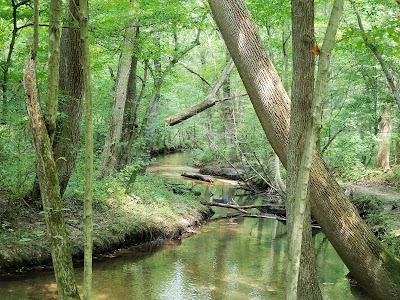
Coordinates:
50 190
376 269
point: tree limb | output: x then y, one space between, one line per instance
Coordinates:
207 103
332 138
195 73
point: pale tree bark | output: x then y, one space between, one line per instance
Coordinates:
129 124
50 190
384 140
87 208
210 100
375 269
324 61
385 68
302 280
108 161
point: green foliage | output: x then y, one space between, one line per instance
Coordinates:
16 161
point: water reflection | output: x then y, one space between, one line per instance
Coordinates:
230 258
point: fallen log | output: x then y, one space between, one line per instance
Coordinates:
197 176
246 214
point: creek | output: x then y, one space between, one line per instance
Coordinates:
231 258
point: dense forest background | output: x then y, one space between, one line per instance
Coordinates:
358 107
163 81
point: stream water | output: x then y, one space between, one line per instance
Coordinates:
228 259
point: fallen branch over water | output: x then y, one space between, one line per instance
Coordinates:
276 208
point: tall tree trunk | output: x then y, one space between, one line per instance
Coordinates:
50 190
67 137
150 119
108 161
302 281
68 124
129 125
53 68
376 269
88 209
384 140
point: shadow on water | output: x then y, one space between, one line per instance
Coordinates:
232 258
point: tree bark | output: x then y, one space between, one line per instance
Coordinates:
67 137
68 124
87 208
376 269
210 100
129 124
53 67
108 161
302 280
50 190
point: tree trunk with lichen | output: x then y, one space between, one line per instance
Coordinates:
50 190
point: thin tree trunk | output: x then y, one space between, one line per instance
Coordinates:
7 63
375 269
50 190
88 210
35 44
302 281
323 63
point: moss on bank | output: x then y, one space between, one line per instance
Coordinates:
149 212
